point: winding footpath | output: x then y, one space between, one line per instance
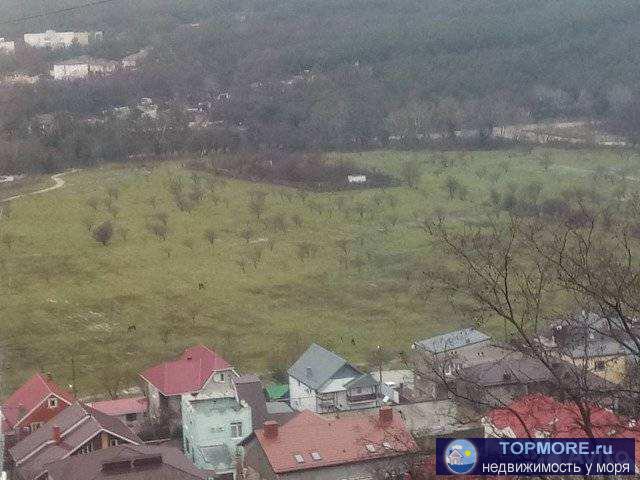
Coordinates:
58 183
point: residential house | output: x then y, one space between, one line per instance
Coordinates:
7 47
213 424
128 462
20 79
82 67
130 411
56 40
600 345
77 430
393 383
438 360
541 416
133 61
198 368
322 381
359 445
36 402
499 382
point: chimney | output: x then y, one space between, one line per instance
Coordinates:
271 429
56 435
189 357
386 415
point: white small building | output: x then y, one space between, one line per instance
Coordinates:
20 79
55 40
82 67
357 179
323 382
7 47
133 61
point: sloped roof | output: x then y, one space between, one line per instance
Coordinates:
31 394
338 441
453 340
175 466
511 369
78 423
187 374
249 389
316 366
540 414
278 391
122 406
363 381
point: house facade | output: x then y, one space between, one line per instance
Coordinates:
437 361
82 67
322 381
77 430
363 445
213 424
55 40
198 368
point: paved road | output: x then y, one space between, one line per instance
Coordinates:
58 183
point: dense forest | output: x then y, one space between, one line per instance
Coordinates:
348 73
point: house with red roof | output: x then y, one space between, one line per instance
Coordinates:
130 411
36 402
198 368
358 445
541 416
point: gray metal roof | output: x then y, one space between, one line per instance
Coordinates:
316 366
453 340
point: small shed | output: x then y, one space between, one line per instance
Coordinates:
358 179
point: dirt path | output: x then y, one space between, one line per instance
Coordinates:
58 183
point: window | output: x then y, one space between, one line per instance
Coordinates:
370 448
52 402
316 455
87 448
299 458
599 366
35 426
114 442
131 417
218 377
187 447
236 429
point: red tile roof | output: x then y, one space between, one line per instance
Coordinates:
543 415
187 374
337 441
31 394
122 406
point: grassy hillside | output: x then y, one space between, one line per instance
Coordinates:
264 288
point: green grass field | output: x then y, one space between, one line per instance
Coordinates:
261 292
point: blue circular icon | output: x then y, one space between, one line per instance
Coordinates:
460 456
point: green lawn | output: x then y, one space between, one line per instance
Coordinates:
67 303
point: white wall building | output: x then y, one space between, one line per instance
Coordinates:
7 47
321 381
82 67
54 40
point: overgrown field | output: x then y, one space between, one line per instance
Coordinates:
253 270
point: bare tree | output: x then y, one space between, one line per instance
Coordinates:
530 272
104 233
